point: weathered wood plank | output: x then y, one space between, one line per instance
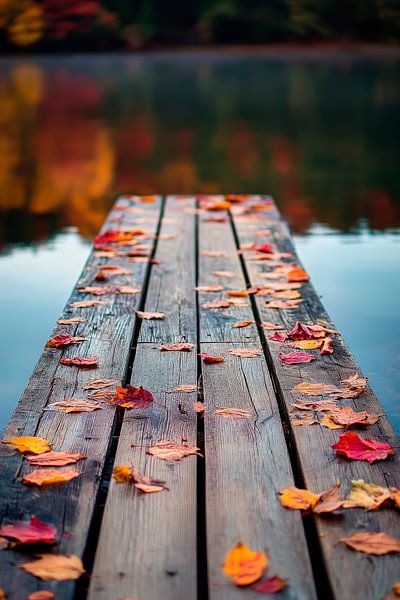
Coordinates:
351 574
218 254
246 462
108 329
147 545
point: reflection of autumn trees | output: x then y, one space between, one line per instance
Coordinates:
320 137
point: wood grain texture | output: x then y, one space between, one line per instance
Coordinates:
246 462
217 324
147 546
108 329
351 574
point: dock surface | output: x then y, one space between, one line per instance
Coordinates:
219 274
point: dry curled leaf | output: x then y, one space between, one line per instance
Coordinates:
185 388
176 347
327 346
293 497
146 484
209 360
377 543
271 326
244 566
35 445
54 459
209 288
171 451
54 567
329 501
34 532
283 303
328 389
352 446
132 397
298 419
318 405
216 304
366 495
267 248
72 321
306 344
86 303
272 585
245 323
44 477
150 315
245 352
64 339
347 417
235 413
80 361
74 405
300 332
104 395
97 384
278 336
295 358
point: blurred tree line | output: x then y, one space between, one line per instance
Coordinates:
110 24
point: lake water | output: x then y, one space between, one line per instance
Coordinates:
318 132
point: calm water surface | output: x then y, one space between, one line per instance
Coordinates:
319 133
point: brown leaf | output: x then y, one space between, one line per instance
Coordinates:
72 321
298 419
271 326
283 303
86 303
171 451
216 304
105 395
72 405
327 347
286 294
96 384
44 477
377 543
54 567
80 361
185 388
245 352
235 413
176 347
54 459
150 315
347 417
245 323
145 484
318 405
329 501
272 585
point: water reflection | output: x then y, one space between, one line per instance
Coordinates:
320 135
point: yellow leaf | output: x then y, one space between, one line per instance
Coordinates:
36 445
244 566
292 497
55 567
122 474
366 495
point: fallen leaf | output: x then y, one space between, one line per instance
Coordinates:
238 293
327 389
132 397
35 445
80 361
72 405
267 248
54 459
216 304
54 567
64 339
298 419
122 474
294 358
238 302
319 405
209 288
209 360
199 407
395 496
347 417
377 543
150 315
243 565
245 352
245 323
297 275
271 326
328 421
96 384
35 532
94 289
171 451
352 446
272 585
366 495
101 276
213 253
228 274
300 332
72 321
293 497
306 344
115 270
43 477
86 303
145 484
355 382
289 294
176 347
185 388
235 413
327 347
104 395
283 303
42 595
329 501
278 337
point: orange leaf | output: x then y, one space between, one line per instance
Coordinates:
42 595
346 417
244 566
306 344
245 352
293 497
54 459
238 293
288 294
297 275
80 361
132 397
283 303
176 347
199 407
395 496
96 384
377 543
43 477
235 413
208 359
64 339
54 567
216 304
245 323
36 445
122 474
150 315
328 421
171 451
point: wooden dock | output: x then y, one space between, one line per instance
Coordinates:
171 544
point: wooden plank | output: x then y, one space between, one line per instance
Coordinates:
147 545
108 329
218 254
246 461
351 574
